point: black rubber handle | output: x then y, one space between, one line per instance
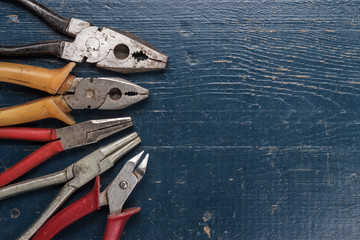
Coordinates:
40 48
55 21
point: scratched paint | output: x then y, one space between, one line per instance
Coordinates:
14 18
207 231
206 217
15 213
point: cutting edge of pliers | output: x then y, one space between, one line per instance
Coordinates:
91 131
105 93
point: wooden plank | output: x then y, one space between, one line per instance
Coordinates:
253 128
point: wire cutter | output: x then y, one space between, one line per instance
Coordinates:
74 177
114 195
73 93
109 48
61 139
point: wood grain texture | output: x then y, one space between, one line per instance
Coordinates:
253 129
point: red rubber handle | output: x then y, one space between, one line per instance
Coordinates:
34 159
31 134
70 214
115 223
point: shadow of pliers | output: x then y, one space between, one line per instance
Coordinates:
110 49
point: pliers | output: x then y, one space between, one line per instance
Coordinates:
109 48
74 177
60 139
73 93
114 195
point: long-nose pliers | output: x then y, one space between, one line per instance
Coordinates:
70 93
109 48
61 139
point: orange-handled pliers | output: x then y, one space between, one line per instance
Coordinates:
71 93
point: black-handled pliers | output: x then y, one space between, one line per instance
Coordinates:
109 48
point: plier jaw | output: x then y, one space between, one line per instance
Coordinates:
125 182
114 50
132 54
104 93
91 131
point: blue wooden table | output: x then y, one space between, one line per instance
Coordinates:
253 129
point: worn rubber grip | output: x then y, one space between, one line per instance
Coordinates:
33 160
115 223
30 134
54 48
48 80
49 107
82 207
55 21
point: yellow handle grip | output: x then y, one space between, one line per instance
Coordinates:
49 80
48 107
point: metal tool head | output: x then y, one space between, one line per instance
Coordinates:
91 131
112 49
100 160
124 183
104 93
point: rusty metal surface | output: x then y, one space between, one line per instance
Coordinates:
113 50
104 93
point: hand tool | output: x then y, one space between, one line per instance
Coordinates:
114 195
74 93
74 177
109 48
61 139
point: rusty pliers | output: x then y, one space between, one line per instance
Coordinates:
109 48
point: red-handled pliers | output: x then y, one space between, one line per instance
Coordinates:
114 195
61 139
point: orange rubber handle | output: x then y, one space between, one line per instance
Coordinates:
49 80
48 107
